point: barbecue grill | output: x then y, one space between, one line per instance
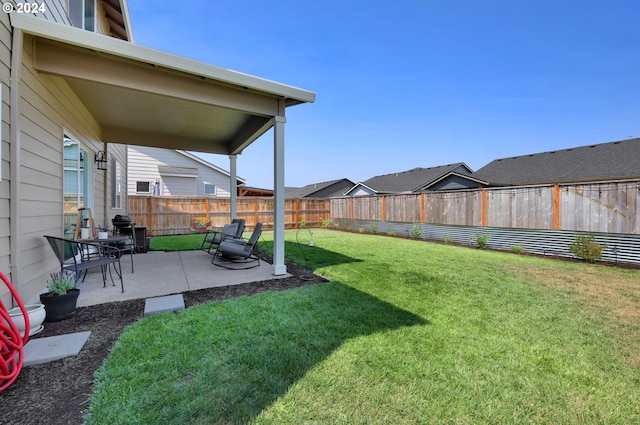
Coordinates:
122 222
124 225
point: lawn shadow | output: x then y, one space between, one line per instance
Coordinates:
311 257
252 350
286 343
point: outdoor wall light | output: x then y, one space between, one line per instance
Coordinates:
101 160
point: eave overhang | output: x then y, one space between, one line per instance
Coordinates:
143 96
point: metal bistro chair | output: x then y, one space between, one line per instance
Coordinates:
125 246
81 256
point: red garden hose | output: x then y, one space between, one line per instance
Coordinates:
11 343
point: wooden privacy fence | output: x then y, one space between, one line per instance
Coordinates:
610 207
605 207
173 215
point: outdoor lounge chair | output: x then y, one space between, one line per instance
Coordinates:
213 237
81 256
238 251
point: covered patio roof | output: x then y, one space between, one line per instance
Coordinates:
143 96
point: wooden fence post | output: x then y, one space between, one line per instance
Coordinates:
255 211
556 207
383 214
422 207
351 208
149 208
484 208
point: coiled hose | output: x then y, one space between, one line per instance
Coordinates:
11 343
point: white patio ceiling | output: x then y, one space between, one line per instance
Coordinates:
143 96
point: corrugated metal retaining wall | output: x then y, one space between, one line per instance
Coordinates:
623 248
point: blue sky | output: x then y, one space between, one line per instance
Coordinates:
416 83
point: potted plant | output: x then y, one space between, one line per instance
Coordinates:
62 296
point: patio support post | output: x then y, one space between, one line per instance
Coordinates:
279 268
233 185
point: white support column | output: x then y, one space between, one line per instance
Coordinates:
279 268
233 185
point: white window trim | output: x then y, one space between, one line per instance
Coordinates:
215 189
88 203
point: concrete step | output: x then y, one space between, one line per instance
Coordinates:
48 349
162 304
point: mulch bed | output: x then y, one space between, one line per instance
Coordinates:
58 392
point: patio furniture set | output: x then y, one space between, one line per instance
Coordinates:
80 255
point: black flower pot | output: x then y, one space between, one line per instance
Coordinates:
60 307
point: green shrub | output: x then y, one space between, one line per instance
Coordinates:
447 240
391 233
415 233
328 224
374 228
587 248
481 240
516 249
361 229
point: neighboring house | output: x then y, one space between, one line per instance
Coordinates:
605 161
328 189
174 172
443 177
76 91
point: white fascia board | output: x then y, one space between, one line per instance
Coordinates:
210 165
124 7
101 43
360 184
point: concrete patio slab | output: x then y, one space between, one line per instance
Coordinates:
48 349
166 273
162 304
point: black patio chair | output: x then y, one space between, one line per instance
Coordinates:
213 237
80 256
125 246
239 251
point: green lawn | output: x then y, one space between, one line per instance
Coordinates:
406 332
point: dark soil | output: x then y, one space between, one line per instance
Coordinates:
58 392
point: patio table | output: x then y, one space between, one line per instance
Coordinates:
112 240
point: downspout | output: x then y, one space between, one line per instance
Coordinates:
15 192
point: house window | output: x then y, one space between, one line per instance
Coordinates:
210 189
83 14
76 182
143 187
116 184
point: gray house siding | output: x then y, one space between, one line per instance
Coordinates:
178 174
41 109
455 183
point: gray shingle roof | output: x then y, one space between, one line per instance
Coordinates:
605 161
321 190
410 180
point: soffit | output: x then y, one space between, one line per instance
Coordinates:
142 96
